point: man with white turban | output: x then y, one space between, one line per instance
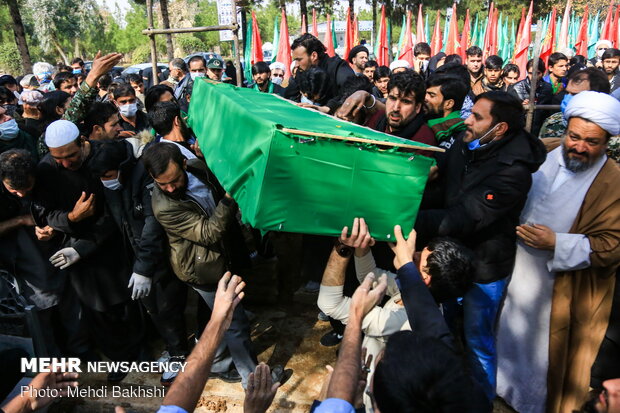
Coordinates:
398 66
278 70
559 299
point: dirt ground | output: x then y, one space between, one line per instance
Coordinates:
285 335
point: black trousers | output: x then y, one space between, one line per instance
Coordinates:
166 306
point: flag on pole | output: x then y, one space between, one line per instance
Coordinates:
563 40
406 52
402 34
247 52
276 40
355 30
315 26
348 36
547 47
581 44
436 41
519 32
452 41
593 35
328 39
381 53
284 47
420 35
304 24
606 31
487 35
427 32
614 28
257 43
465 37
334 38
524 43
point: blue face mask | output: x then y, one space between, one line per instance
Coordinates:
306 100
475 144
9 130
565 100
77 71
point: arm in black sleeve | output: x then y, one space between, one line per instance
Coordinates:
292 91
422 311
480 207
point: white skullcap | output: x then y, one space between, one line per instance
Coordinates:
568 52
277 65
602 42
599 108
61 133
396 64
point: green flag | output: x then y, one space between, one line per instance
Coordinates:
247 56
334 38
276 40
402 35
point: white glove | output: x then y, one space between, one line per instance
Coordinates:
141 286
65 257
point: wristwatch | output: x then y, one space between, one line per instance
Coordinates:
342 249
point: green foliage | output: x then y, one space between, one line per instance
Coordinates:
10 61
189 43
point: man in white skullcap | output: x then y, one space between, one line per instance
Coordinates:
69 199
398 66
559 299
277 72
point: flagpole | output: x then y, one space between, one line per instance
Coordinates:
534 83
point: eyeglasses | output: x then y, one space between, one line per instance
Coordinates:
277 75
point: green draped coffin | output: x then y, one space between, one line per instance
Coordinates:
304 182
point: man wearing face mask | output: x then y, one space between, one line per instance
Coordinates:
484 180
277 73
587 79
132 120
43 72
127 191
261 74
12 137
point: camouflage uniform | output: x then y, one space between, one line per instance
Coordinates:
80 103
553 127
613 148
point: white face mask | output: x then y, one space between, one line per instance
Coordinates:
600 52
195 75
9 130
277 80
129 110
113 184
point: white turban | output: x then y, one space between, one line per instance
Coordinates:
396 64
277 65
61 133
602 42
599 108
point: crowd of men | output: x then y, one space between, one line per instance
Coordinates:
504 286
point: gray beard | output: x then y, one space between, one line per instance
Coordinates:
575 165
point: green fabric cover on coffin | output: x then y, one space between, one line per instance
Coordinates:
294 183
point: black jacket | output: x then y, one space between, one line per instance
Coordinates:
101 276
338 71
543 96
483 192
131 210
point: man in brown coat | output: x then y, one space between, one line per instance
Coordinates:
559 299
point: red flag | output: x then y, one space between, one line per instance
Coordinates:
487 33
524 44
436 41
406 51
563 40
328 40
614 28
383 57
452 42
519 34
493 38
465 37
284 47
547 48
356 33
304 25
315 27
581 44
606 32
420 36
257 44
348 36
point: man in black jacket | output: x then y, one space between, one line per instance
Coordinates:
127 191
308 51
484 180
